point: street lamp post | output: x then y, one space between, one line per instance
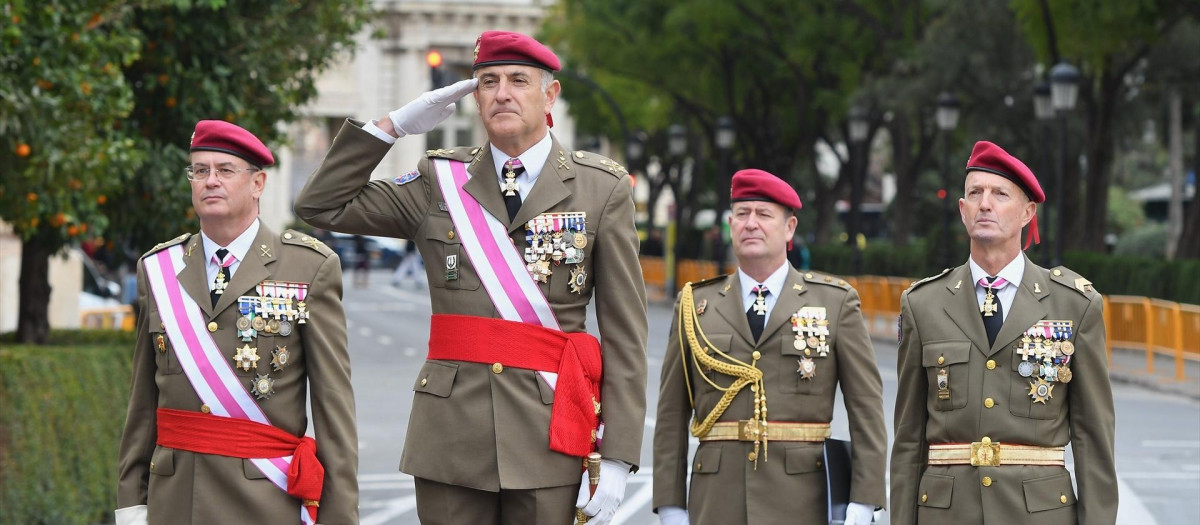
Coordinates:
947 121
1043 109
726 133
1064 89
859 129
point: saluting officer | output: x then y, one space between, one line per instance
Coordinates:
239 328
1001 364
517 235
765 337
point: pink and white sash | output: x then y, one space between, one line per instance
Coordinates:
206 367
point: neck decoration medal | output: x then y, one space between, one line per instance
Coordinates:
989 305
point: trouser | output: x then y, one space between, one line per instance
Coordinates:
443 504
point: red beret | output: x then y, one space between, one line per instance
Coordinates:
495 48
758 185
993 159
218 135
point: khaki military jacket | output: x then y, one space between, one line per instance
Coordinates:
470 425
941 328
788 485
181 487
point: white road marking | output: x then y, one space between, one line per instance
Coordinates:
1167 443
393 508
365 331
1131 510
385 340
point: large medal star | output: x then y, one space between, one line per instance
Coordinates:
246 357
1041 390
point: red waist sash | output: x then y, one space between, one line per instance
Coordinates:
242 438
574 356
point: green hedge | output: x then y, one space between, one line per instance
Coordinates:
1111 274
62 409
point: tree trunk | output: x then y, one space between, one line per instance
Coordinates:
900 218
33 321
1100 160
1189 241
1175 163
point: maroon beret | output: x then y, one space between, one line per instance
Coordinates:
758 185
993 159
218 135
495 48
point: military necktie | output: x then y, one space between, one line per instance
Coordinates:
223 259
512 192
756 315
992 310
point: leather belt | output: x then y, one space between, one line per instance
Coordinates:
989 454
748 430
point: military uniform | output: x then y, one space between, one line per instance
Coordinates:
181 487
783 481
985 397
485 426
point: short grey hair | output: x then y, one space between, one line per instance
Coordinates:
547 78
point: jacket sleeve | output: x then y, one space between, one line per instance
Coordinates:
671 425
141 432
862 391
621 316
1092 420
910 448
340 196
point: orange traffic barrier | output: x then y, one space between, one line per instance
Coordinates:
107 318
693 271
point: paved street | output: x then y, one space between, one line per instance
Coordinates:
1158 435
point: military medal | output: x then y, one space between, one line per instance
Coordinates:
273 326
259 324
701 306
807 368
510 177
279 357
301 293
989 306
812 341
943 383
1064 374
246 358
262 386
1041 390
244 323
1025 369
285 328
760 303
219 284
578 278
161 343
1068 348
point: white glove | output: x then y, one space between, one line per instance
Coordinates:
602 506
135 515
432 107
859 514
672 515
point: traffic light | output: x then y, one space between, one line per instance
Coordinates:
436 76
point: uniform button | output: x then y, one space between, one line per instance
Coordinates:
697 465
424 381
989 402
205 409
497 368
1057 273
924 498
941 359
828 279
450 234
1062 498
808 276
752 456
991 364
987 481
212 326
818 463
287 236
756 355
152 469
986 440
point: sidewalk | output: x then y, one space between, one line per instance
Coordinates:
1129 367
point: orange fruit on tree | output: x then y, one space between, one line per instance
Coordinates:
23 150
32 197
101 200
33 222
87 88
37 61
58 219
72 230
83 227
171 102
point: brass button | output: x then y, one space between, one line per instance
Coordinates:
1057 273
752 456
697 465
1062 498
212 326
828 279
305 238
987 481
579 154
450 234
287 236
152 469
986 440
841 283
205 409
756 355
991 364
989 402
497 368
924 498
808 276
424 381
941 359
818 463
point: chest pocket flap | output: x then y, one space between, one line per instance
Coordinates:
945 353
436 378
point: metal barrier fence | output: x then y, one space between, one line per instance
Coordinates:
1154 326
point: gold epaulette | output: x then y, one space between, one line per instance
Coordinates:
601 162
164 245
927 279
303 239
829 280
461 153
1067 277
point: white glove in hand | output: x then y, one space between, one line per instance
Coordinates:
602 506
432 107
672 515
859 513
135 515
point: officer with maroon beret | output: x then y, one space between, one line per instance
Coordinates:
753 363
518 235
1002 363
240 330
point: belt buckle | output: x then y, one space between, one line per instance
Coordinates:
985 454
747 430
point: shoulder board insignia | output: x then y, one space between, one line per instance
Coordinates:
445 153
927 279
303 239
164 245
825 279
407 178
1068 278
600 162
708 281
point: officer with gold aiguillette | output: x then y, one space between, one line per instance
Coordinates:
765 337
1002 363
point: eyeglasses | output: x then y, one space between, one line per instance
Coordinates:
201 172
